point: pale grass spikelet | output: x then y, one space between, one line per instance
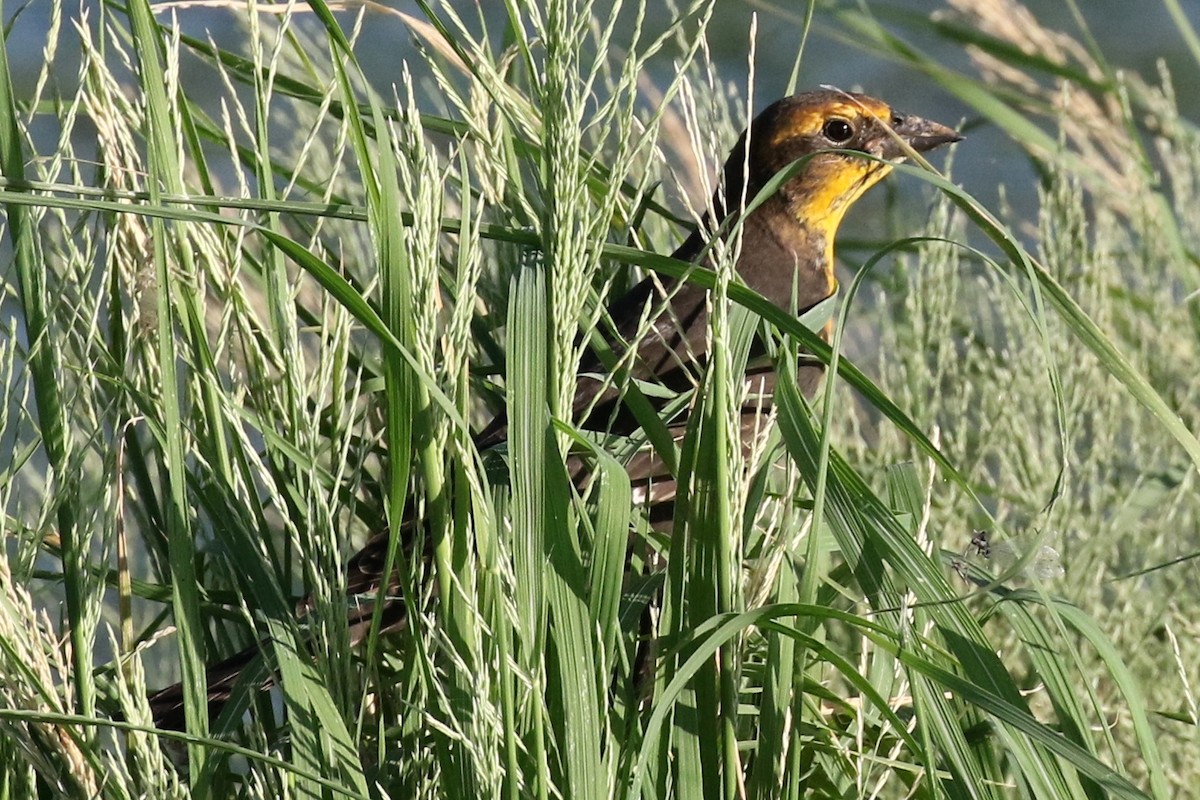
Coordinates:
31 658
1093 124
422 182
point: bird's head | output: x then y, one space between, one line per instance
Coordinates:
828 128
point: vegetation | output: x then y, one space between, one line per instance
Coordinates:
244 334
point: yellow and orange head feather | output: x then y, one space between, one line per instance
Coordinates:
831 184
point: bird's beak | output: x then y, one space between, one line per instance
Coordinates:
921 135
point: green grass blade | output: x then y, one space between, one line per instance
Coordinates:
46 372
185 598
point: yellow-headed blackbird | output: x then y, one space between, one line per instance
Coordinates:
786 255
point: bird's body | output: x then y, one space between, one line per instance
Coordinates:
786 243
839 145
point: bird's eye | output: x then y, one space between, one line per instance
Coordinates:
837 130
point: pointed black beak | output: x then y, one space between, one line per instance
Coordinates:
921 135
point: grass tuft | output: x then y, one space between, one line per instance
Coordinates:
259 301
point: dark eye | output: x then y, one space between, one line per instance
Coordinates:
837 130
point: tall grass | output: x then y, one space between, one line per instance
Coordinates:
246 335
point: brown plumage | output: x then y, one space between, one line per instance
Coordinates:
786 249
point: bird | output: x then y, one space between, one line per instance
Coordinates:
840 145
